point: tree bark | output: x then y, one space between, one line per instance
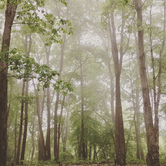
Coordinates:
27 47
112 92
119 129
41 142
48 148
21 125
60 118
65 131
32 138
39 110
55 129
153 153
15 139
137 124
9 17
56 149
25 126
90 152
140 153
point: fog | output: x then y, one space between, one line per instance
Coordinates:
84 97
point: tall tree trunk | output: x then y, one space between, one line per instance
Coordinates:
137 127
56 149
55 128
136 110
79 148
48 148
153 153
41 136
94 153
137 124
86 150
60 118
112 92
111 77
119 129
90 152
41 144
9 17
27 47
63 101
25 126
21 125
135 102
15 139
65 131
157 78
32 138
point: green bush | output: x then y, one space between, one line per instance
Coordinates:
163 160
135 161
66 157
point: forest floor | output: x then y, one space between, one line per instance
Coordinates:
108 165
89 165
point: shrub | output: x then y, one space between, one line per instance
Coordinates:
66 157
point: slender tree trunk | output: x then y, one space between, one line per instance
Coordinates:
55 129
137 125
33 139
157 79
137 107
48 148
15 139
153 153
21 125
9 17
119 129
135 102
65 135
94 152
86 150
90 152
79 148
111 77
56 149
60 118
41 144
27 46
112 92
25 126
56 126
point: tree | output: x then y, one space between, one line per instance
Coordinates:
119 129
117 54
9 17
48 148
156 80
152 157
28 44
